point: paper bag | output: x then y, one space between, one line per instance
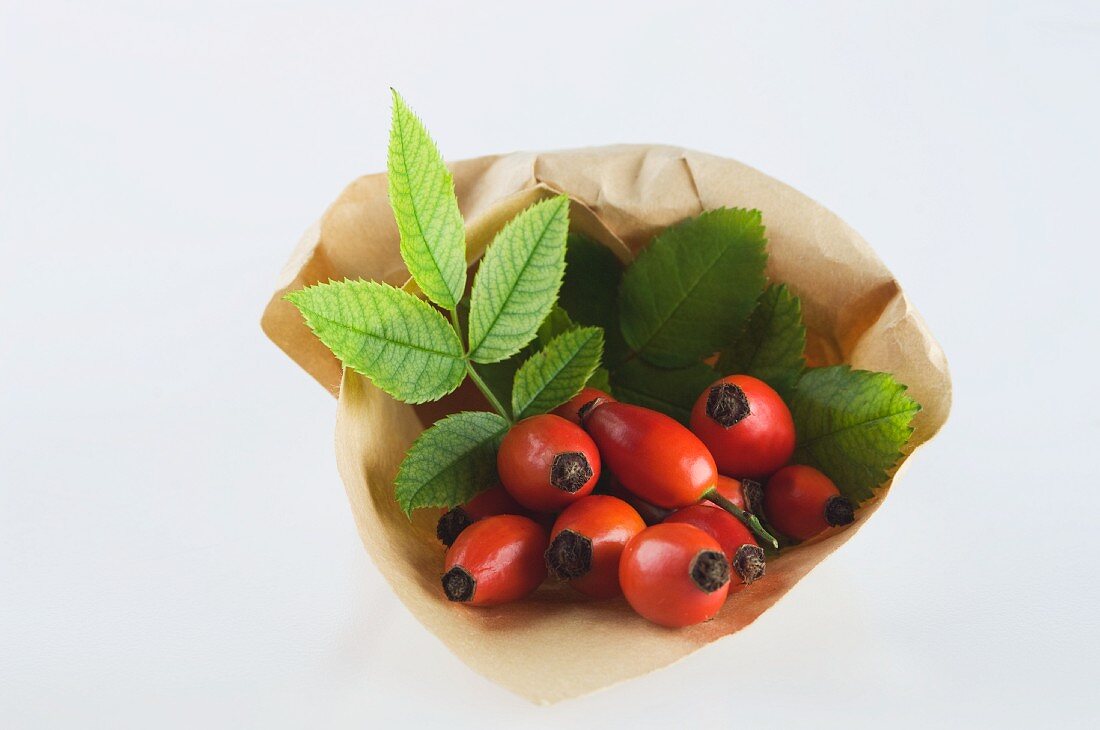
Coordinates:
558 644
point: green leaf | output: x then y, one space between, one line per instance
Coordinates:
590 291
422 195
851 424
556 323
556 373
690 292
451 461
670 391
600 380
518 280
394 338
771 346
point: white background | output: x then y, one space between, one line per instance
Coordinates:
175 547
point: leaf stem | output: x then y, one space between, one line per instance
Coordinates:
457 326
487 392
474 376
750 521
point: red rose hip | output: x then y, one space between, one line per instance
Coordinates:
746 425
674 575
587 541
495 560
801 502
745 493
493 501
650 454
546 463
745 556
569 409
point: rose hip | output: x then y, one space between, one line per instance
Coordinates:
801 502
746 425
674 575
546 463
587 541
568 410
493 501
496 560
745 556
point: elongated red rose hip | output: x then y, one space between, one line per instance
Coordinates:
651 454
495 560
658 459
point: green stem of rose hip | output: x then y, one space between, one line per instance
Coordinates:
750 521
485 391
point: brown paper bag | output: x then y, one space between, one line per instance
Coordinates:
557 644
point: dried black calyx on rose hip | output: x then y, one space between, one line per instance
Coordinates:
570 471
753 495
451 524
710 570
569 555
839 511
584 410
458 584
748 561
727 404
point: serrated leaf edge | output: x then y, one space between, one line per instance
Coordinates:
408 509
595 332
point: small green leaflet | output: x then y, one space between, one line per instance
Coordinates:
670 391
590 291
394 338
771 346
518 280
687 294
851 424
451 461
422 195
557 372
601 380
556 323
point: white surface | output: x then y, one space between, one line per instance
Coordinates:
176 548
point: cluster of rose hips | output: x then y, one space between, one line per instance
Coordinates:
669 532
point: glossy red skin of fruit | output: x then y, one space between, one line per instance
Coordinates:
651 455
503 554
568 410
528 455
795 499
757 445
730 533
609 524
655 575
